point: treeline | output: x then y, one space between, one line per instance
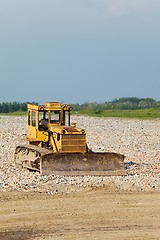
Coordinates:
131 103
7 107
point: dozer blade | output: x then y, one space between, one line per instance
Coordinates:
79 164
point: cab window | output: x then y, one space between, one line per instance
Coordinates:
29 118
43 120
67 118
54 117
33 119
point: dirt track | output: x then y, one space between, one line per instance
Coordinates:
100 213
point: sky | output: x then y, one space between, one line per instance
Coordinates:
78 51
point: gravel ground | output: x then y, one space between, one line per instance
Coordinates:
138 140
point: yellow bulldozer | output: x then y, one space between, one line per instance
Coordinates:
57 146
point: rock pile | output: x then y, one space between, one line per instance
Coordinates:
138 140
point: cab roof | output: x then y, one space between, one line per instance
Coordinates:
49 106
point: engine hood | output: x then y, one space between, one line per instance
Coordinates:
67 130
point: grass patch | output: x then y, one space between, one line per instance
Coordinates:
139 113
18 113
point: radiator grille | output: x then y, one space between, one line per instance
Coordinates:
73 136
73 143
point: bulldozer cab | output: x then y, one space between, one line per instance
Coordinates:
53 115
42 117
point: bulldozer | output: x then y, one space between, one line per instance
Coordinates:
57 146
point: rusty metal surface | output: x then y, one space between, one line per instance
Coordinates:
72 164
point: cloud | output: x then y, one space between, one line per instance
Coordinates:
124 7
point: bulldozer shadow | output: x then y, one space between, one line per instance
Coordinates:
131 164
